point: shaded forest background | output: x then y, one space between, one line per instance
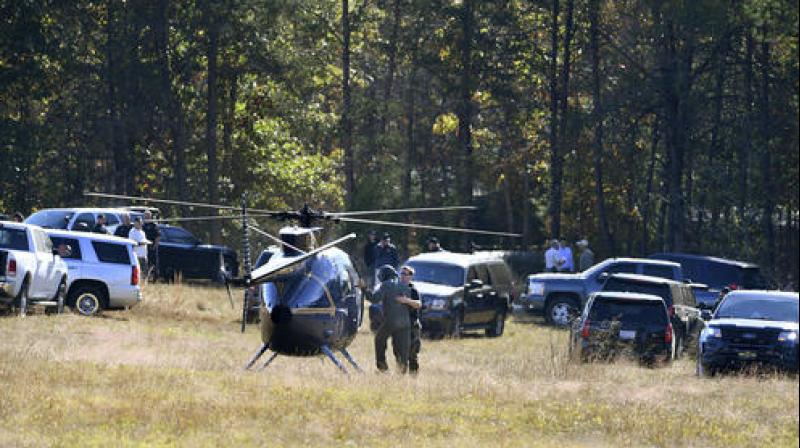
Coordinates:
643 125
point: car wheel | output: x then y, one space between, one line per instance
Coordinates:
88 300
22 299
455 325
560 311
702 370
497 326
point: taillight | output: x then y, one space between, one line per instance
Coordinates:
12 268
585 329
733 286
671 311
668 334
134 275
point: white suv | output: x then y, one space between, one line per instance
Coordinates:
77 218
103 271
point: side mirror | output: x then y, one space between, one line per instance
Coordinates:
706 314
475 283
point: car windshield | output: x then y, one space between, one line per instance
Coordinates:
50 219
631 312
14 239
760 308
438 273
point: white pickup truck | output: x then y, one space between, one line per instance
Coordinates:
31 271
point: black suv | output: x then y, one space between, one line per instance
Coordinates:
459 292
180 252
678 298
252 295
751 327
622 323
717 273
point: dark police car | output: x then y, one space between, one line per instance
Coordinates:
751 327
623 324
180 252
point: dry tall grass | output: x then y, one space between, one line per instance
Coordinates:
168 373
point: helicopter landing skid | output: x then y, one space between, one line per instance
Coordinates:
350 359
255 357
327 351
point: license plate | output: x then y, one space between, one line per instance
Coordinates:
627 334
747 355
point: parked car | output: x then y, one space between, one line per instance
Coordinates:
181 253
678 298
78 218
253 294
103 271
31 271
622 323
717 273
459 292
751 327
562 296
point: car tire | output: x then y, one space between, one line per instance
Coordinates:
456 324
497 326
680 346
88 300
22 299
561 310
702 370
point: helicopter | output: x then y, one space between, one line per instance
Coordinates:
312 299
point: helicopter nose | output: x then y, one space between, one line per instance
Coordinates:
281 315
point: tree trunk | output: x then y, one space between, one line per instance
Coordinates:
211 122
598 116
346 125
648 201
746 146
391 66
768 204
554 209
465 113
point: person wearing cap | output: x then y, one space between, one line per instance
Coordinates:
414 306
140 249
433 245
586 259
395 298
551 260
18 217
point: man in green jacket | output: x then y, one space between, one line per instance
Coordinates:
395 298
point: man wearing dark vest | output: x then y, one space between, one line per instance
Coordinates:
396 300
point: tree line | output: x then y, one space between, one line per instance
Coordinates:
643 125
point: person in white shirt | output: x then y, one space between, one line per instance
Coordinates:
565 253
137 234
552 261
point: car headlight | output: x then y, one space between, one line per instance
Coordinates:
438 304
536 288
787 336
710 332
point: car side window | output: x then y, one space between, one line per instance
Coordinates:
180 236
658 271
483 274
111 219
472 274
74 245
622 268
111 253
86 218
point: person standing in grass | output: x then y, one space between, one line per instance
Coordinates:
406 275
138 235
395 298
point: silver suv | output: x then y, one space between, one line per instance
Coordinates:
78 218
103 271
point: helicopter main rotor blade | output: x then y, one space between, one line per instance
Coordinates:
263 273
426 226
207 218
169 201
403 210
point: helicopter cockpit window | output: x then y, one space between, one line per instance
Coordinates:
303 241
303 288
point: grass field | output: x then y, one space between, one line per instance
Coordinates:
169 373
